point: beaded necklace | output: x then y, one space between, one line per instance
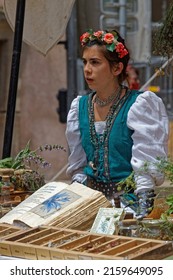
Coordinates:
114 97
100 140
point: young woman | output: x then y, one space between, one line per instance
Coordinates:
113 130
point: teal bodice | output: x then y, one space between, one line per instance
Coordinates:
109 154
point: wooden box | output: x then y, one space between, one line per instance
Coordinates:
17 196
60 243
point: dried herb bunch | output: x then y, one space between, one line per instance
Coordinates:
27 180
163 38
26 165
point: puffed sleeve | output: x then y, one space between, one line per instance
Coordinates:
148 118
77 157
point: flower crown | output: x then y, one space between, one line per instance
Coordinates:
109 38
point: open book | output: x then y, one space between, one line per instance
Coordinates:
58 204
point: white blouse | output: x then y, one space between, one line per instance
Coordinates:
149 120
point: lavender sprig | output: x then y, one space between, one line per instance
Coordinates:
51 147
33 157
27 157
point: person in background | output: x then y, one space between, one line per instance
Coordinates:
113 130
132 77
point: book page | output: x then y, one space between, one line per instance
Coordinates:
33 201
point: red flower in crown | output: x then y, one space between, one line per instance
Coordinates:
84 37
120 49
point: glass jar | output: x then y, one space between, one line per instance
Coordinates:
6 187
150 229
127 229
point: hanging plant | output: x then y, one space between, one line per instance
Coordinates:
163 38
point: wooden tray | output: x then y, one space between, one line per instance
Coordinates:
59 243
7 231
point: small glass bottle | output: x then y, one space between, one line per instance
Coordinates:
6 188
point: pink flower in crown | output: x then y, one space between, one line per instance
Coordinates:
84 37
108 38
98 34
120 49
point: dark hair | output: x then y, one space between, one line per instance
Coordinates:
112 56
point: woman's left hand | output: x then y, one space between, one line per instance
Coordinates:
145 203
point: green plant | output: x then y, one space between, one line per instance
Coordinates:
26 164
127 184
163 165
166 167
27 157
166 227
169 201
